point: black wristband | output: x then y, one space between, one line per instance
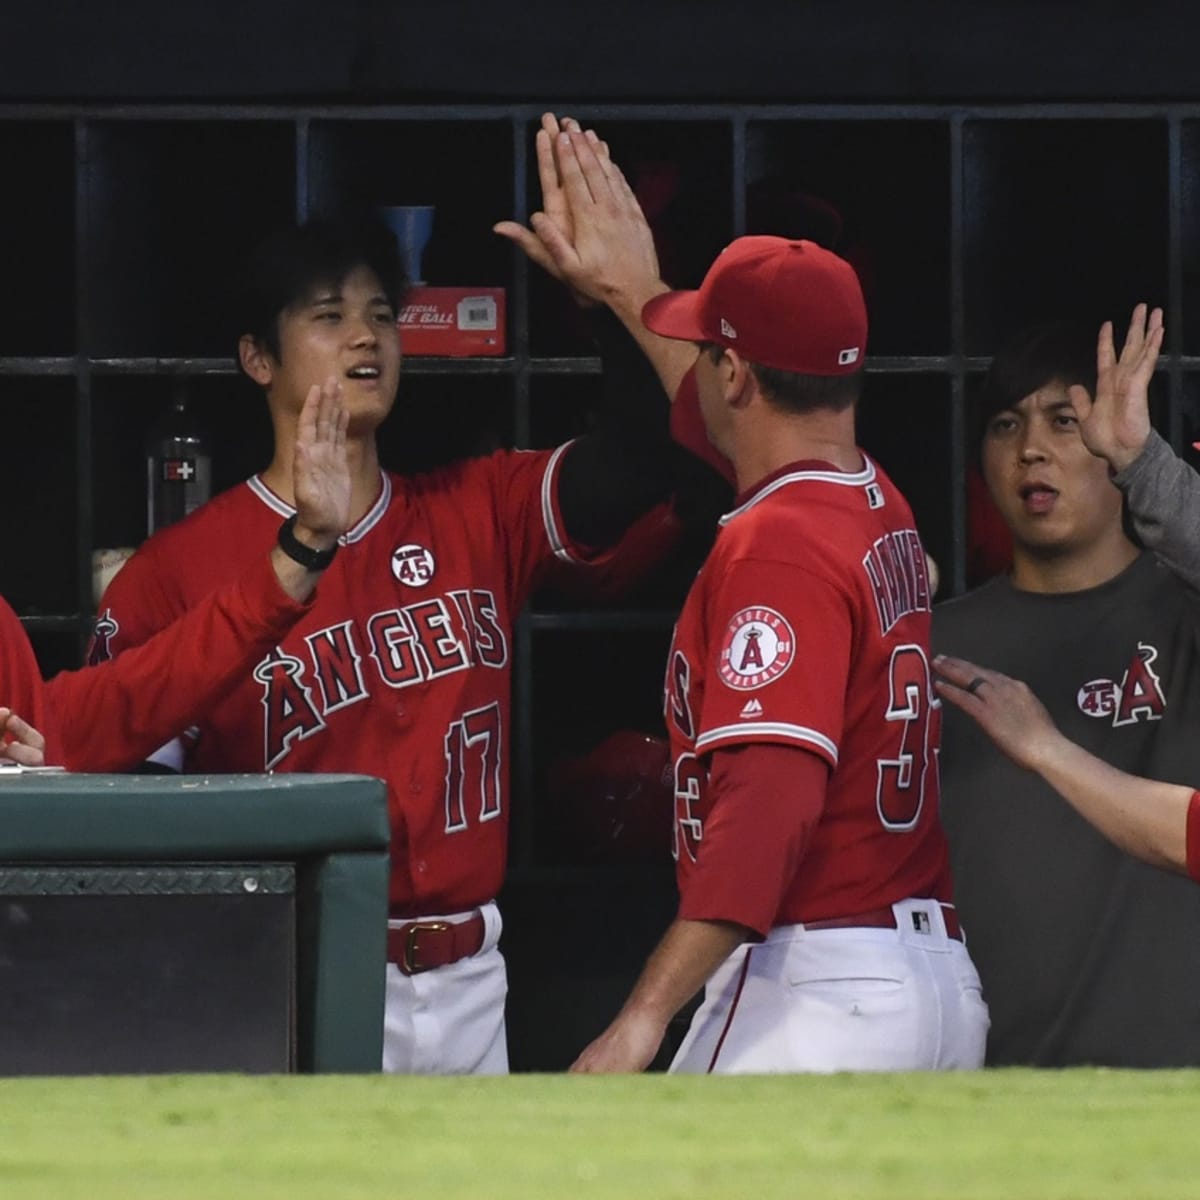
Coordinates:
297 551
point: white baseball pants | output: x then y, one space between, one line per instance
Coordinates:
859 999
449 1021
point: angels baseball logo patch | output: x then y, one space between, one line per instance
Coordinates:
413 565
1138 697
758 647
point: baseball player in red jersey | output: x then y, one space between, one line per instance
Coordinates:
109 717
815 888
402 668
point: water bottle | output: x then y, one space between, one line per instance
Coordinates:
178 465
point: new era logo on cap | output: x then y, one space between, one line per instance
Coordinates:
791 305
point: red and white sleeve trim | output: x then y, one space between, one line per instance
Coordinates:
550 514
1193 837
769 731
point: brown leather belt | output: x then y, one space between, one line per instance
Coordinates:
885 918
425 945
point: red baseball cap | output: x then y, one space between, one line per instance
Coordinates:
790 305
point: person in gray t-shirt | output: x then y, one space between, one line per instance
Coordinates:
1086 956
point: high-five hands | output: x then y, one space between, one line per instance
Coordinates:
591 233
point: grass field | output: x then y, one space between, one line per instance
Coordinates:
1087 1134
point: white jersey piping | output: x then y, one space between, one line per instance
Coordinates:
372 517
763 729
841 478
558 542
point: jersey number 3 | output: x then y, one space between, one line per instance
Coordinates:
473 767
901 781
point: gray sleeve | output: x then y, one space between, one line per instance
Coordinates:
1162 494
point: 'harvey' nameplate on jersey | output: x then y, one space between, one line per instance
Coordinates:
452 321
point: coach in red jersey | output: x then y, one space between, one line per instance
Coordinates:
815 888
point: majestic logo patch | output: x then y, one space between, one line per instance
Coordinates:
413 565
752 708
759 646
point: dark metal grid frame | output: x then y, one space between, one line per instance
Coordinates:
957 366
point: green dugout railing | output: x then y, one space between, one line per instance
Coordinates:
156 923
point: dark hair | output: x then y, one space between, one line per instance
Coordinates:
794 392
1051 352
285 268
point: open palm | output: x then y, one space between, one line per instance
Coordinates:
1116 423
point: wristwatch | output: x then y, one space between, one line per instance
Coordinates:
297 551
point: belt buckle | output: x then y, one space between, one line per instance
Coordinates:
410 965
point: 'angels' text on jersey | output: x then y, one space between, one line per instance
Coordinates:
407 646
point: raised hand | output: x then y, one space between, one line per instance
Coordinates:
320 466
19 741
1115 425
554 202
591 233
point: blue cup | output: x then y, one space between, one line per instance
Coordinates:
412 225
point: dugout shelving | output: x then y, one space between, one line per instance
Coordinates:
125 223
1061 216
169 209
879 191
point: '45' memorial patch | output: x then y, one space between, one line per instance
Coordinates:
758 647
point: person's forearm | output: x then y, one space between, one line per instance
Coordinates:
686 957
113 715
1163 496
1143 817
681 965
296 580
670 359
621 469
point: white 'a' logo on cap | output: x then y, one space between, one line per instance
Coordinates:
727 330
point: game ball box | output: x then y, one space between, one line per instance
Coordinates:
454 322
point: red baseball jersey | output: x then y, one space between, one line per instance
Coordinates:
21 687
401 670
110 719
808 626
1193 837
